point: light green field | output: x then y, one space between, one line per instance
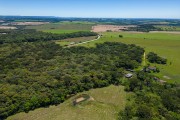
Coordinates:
58 31
107 103
64 27
76 40
164 44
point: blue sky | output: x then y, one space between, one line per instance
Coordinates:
93 8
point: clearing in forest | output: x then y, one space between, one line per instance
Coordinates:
107 103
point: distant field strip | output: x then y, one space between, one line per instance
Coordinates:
63 27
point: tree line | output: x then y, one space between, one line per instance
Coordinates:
28 35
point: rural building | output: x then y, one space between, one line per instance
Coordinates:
150 68
129 75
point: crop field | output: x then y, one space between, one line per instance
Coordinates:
106 104
114 28
64 27
164 44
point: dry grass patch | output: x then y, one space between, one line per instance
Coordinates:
113 28
7 27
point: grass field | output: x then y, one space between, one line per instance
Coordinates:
64 27
76 40
107 103
164 44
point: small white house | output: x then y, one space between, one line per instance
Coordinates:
129 75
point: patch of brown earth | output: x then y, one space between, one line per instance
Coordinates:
7 27
113 28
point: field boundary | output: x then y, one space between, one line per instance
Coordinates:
99 36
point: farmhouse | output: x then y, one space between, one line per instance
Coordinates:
150 68
129 75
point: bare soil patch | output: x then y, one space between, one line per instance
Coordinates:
7 27
82 98
113 28
29 23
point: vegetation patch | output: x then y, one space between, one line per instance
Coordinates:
165 45
39 74
108 102
63 27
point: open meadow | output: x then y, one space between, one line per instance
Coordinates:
64 27
66 42
165 44
106 104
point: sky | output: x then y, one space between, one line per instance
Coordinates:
93 8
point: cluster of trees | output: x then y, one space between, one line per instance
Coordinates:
152 100
154 58
28 35
37 74
144 28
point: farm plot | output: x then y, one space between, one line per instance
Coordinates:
110 28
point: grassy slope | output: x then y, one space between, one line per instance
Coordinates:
166 45
107 103
63 27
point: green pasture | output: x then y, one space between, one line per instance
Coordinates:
63 27
76 40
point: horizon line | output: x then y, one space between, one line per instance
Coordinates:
87 17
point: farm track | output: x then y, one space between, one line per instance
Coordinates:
85 42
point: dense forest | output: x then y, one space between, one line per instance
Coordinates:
28 35
38 74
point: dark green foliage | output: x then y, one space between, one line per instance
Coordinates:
121 36
154 58
39 74
144 112
152 99
27 35
144 28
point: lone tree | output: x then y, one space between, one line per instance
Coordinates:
120 36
